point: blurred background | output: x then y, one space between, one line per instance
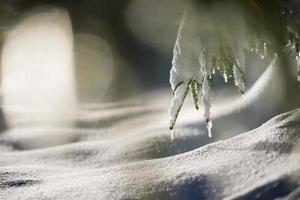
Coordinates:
123 45
65 52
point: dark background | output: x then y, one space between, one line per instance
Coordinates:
90 17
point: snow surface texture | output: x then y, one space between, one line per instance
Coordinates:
123 151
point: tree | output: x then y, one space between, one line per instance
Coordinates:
213 37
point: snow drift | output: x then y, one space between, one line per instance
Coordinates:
121 152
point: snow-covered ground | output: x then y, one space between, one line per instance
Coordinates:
124 151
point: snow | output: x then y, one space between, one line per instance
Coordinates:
238 79
206 99
185 72
209 127
177 102
225 78
290 48
134 158
200 43
200 37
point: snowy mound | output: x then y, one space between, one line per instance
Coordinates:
123 152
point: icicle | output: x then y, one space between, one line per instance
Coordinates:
202 64
209 127
238 79
205 93
194 87
172 135
192 46
206 99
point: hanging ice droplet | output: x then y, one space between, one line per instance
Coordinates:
209 127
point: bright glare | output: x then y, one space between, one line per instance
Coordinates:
37 64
